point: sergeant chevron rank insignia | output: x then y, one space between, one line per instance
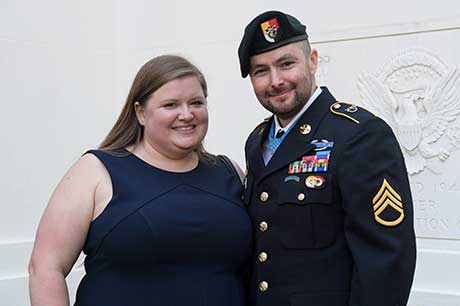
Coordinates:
388 206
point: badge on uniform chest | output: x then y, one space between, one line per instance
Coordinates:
311 163
322 144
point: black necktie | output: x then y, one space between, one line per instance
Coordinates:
279 134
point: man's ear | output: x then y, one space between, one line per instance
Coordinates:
313 60
139 110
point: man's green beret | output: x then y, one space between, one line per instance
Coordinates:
268 31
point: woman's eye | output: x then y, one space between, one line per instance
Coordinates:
169 105
197 103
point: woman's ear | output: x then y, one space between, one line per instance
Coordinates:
139 110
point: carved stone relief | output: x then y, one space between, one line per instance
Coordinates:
323 69
419 97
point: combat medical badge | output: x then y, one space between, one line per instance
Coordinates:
387 201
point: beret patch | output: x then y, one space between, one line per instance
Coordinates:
268 31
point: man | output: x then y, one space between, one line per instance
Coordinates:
326 188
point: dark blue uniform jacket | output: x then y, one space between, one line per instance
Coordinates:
332 212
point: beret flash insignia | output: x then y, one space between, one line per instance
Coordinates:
270 29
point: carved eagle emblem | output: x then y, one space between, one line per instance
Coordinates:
419 97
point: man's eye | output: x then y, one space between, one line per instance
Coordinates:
287 64
259 72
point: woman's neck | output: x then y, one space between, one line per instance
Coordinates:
180 162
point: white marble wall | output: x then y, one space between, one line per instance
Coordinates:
58 67
65 68
410 75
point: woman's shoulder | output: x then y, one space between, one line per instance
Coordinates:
88 169
232 166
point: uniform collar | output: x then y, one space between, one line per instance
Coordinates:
295 145
313 97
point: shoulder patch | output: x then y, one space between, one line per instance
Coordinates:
261 123
348 110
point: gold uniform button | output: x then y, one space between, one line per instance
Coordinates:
264 196
263 257
263 226
301 197
263 286
337 106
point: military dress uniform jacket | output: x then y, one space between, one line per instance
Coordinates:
332 212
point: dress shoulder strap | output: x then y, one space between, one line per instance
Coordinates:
231 167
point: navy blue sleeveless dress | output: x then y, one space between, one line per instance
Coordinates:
167 238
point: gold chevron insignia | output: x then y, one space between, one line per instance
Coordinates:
387 196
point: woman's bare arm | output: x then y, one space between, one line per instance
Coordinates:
62 232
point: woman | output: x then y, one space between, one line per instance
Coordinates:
160 220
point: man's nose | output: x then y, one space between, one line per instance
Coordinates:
276 78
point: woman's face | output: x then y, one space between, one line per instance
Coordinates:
175 117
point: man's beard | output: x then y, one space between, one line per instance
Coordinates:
299 102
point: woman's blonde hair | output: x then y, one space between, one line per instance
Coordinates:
154 74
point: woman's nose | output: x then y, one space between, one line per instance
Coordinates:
185 113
